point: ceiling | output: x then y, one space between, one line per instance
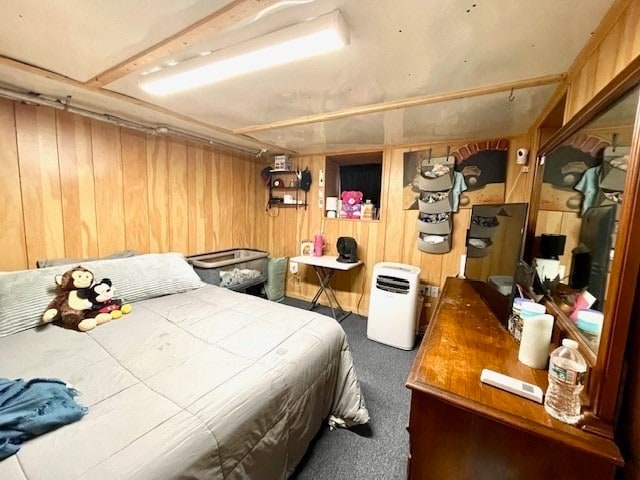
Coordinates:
415 71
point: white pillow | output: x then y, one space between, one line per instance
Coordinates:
24 295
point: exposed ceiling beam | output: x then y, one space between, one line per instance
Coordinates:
405 103
234 13
10 62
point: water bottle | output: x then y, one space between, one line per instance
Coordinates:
567 369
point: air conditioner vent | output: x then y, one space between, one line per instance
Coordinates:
392 284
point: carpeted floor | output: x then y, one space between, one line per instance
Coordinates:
379 449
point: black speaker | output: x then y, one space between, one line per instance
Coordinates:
552 245
580 267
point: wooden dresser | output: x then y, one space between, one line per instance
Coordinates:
460 428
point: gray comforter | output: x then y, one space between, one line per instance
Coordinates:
209 383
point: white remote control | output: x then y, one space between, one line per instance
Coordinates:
512 385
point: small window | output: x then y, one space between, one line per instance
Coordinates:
356 172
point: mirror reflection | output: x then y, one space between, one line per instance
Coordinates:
494 249
581 194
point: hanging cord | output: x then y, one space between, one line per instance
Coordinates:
515 184
511 97
364 284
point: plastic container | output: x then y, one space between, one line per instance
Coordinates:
535 340
367 210
567 371
514 325
590 323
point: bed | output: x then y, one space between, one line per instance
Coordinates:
196 382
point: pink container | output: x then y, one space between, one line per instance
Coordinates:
318 245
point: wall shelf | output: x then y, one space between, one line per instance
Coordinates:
276 193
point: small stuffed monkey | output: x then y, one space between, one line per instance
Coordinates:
71 303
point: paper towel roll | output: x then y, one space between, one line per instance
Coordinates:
534 343
332 203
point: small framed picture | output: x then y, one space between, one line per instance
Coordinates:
306 248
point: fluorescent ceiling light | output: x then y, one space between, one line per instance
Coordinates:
315 37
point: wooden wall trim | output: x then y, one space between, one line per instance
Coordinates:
235 12
405 103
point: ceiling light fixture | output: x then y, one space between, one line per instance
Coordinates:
314 37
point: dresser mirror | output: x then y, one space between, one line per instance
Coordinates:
582 182
494 249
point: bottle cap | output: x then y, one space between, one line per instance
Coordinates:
569 343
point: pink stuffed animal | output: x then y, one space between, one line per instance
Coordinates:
351 204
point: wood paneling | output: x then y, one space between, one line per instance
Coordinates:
391 239
107 161
158 191
227 197
178 209
82 188
40 182
12 240
78 197
613 46
197 199
136 207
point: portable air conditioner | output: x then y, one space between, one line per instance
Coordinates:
393 304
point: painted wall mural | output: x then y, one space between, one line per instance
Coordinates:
564 168
483 166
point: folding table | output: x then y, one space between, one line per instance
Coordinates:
325 266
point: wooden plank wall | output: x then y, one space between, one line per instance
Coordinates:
613 46
392 239
74 187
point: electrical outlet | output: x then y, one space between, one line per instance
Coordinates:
293 267
424 290
435 291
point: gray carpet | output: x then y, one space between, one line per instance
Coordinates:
379 449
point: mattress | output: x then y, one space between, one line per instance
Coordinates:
208 383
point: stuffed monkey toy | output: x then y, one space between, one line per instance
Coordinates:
71 302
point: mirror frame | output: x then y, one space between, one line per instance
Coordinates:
607 366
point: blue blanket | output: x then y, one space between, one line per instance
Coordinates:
31 408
